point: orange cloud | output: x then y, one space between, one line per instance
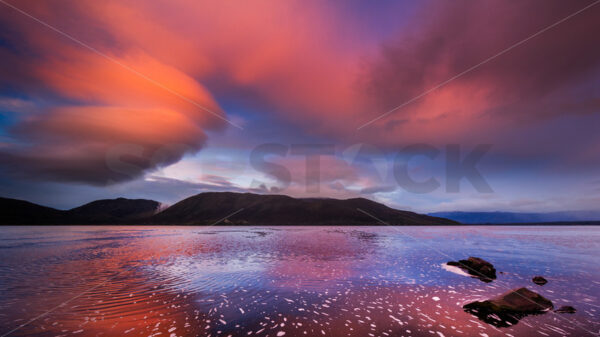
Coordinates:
100 102
100 107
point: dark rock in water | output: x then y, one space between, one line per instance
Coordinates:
477 267
539 280
508 308
566 309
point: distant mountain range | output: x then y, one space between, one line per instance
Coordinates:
223 208
511 217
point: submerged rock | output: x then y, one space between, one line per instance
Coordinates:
539 280
508 308
566 309
477 267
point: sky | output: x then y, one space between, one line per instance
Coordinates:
426 106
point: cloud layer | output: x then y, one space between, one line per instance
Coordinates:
143 90
551 74
89 110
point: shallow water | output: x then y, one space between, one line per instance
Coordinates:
289 281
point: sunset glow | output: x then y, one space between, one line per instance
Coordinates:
172 89
299 168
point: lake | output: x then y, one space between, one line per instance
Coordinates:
288 281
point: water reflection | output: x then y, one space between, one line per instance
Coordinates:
298 281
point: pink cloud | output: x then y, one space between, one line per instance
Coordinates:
549 75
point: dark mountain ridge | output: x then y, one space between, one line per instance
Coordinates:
107 211
223 208
256 209
17 212
114 211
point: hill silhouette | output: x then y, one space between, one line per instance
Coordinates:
224 208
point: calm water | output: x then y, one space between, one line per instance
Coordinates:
292 281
